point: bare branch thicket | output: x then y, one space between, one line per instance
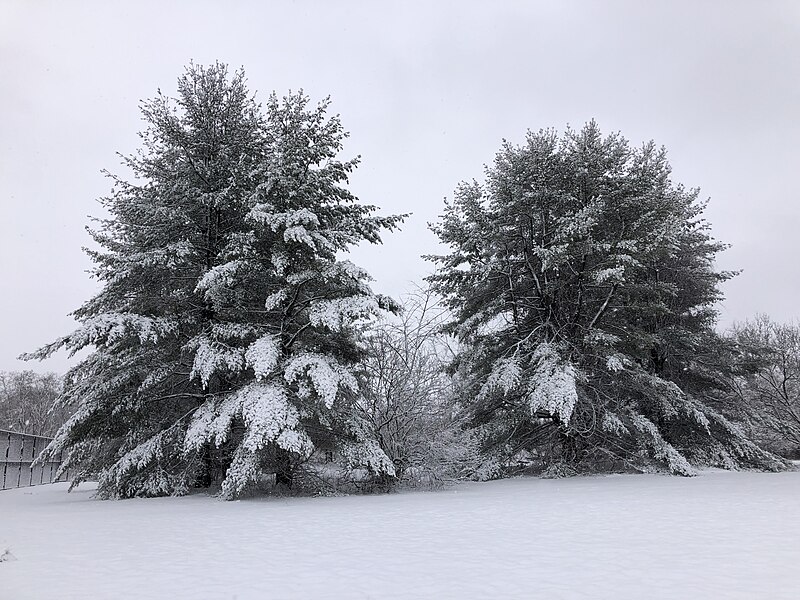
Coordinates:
771 396
408 398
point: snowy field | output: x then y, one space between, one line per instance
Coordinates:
720 535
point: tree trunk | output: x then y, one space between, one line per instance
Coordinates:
570 451
214 464
204 474
284 469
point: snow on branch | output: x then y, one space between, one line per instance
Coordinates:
611 423
613 275
552 386
269 417
263 213
262 355
274 300
244 469
337 313
615 363
505 376
233 331
108 328
216 283
365 451
299 234
211 422
348 269
138 458
171 255
368 454
326 375
662 450
212 356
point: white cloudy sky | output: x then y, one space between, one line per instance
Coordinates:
428 90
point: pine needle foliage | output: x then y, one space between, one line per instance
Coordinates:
225 338
582 283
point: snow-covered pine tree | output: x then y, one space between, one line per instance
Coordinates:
224 334
583 287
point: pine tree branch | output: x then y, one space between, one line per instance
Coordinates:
603 308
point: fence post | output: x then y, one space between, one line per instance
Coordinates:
5 446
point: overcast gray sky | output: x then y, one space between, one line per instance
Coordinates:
428 90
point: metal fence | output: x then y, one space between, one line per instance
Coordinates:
17 453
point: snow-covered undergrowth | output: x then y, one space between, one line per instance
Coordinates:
719 535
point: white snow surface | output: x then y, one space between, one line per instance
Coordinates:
719 535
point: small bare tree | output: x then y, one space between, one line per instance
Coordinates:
408 398
771 396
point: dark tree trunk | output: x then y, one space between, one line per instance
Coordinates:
659 360
571 452
284 469
205 473
214 464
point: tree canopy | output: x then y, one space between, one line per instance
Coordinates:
223 336
582 283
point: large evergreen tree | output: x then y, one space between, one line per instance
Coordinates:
224 335
583 286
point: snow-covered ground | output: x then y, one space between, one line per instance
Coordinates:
719 535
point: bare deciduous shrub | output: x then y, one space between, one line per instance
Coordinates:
771 396
408 399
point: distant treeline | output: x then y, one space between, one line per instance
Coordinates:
27 403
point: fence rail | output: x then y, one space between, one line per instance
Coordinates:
17 453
